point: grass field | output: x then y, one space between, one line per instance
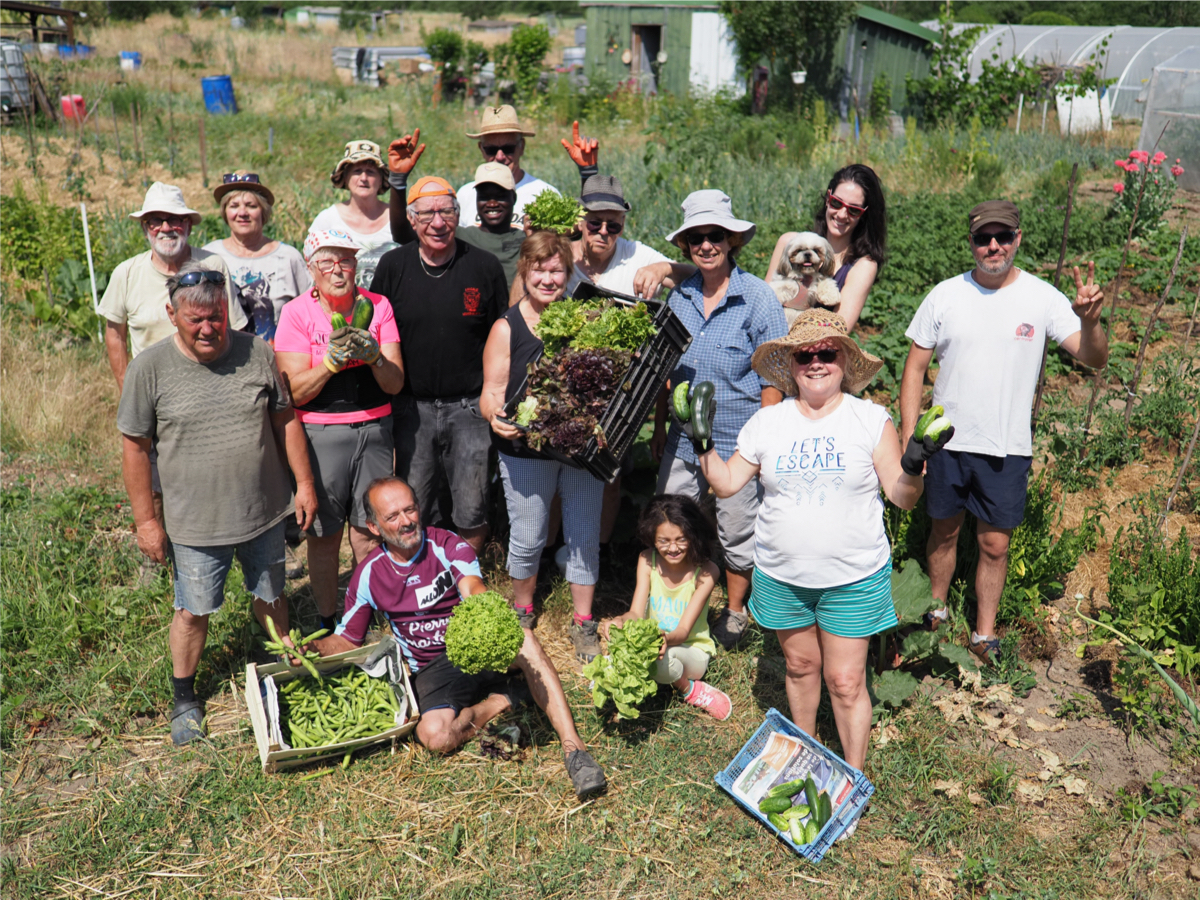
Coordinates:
1064 775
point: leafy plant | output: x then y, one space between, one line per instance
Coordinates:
1158 195
484 633
624 675
445 46
1156 800
552 211
521 57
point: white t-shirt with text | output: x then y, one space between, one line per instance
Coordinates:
527 190
619 274
988 346
820 523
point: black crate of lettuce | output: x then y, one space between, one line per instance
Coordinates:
627 411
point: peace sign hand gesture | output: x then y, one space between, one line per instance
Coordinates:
404 152
1089 297
583 151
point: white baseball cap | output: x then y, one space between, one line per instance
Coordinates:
318 239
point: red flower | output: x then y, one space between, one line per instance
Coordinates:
1132 167
1176 170
1121 164
1158 158
1118 187
1139 155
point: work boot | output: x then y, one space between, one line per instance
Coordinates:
583 636
731 627
586 775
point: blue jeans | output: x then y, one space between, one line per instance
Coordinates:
200 572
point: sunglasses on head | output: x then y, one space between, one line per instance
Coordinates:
714 237
234 178
1003 238
191 279
804 357
836 204
490 150
596 225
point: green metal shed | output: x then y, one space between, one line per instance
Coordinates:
878 43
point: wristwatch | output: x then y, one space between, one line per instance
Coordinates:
379 362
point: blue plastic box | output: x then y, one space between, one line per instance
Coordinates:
848 810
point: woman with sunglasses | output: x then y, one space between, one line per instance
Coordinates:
268 273
853 218
822 573
730 314
364 216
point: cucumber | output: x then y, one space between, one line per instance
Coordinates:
799 811
679 400
780 824
810 791
810 832
337 320
774 804
796 832
787 789
937 427
824 809
364 311
924 422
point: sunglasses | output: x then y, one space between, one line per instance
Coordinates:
191 279
173 221
490 151
805 357
1003 238
837 205
595 226
233 178
714 237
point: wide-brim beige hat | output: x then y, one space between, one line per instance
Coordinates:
166 199
711 207
500 119
773 360
357 152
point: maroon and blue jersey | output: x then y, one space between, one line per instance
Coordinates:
416 596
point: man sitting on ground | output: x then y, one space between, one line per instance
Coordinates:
416 579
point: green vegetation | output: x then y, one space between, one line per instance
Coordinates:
484 634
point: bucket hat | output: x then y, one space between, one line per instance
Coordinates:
772 361
430 186
498 120
495 173
711 208
604 192
318 239
356 152
242 180
166 199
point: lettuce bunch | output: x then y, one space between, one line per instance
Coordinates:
625 675
484 634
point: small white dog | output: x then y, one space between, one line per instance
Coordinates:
803 278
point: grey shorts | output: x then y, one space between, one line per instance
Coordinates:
345 459
736 515
446 440
200 572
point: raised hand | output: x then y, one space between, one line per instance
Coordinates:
404 152
1089 296
583 151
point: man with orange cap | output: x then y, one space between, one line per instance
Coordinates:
446 294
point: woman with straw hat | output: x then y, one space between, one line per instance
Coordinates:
364 216
822 574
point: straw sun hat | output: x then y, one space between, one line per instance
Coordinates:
773 360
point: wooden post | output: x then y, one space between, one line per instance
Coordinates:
112 108
1020 107
1062 255
204 160
99 149
1187 459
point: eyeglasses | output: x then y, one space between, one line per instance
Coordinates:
191 279
837 204
1003 238
159 221
714 237
805 357
346 264
234 178
490 150
425 216
681 544
594 226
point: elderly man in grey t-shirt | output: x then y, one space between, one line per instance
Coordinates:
213 403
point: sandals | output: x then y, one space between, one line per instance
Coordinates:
187 722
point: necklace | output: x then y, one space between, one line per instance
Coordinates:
421 259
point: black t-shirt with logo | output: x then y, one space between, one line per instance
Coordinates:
444 314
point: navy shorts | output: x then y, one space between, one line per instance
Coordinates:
992 488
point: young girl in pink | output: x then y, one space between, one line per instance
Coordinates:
675 578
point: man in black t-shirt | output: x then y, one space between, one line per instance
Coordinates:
446 294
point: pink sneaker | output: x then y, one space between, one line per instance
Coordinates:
714 702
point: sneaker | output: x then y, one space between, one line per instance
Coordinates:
585 639
586 775
986 648
187 722
714 702
293 562
731 627
935 617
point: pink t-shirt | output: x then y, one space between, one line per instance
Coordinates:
304 328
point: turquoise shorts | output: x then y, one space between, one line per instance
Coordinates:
859 609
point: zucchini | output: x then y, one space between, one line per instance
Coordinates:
679 401
364 311
774 804
703 411
810 791
787 789
924 422
337 320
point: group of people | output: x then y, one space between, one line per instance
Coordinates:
248 419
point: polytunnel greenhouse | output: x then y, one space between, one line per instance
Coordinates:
1173 103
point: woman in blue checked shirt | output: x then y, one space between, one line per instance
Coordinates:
730 314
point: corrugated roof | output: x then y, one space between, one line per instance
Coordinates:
871 14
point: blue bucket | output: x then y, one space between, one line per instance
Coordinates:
131 60
218 94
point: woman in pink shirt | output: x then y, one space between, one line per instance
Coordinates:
342 384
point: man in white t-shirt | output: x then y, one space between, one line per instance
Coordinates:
987 328
502 140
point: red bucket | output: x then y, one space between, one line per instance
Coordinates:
73 106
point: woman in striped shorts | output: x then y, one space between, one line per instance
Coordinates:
531 481
822 576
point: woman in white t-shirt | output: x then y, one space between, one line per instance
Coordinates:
364 216
822 575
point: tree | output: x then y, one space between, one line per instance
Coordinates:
787 37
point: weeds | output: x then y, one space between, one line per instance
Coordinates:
1156 800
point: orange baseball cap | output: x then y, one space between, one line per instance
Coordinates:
430 186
